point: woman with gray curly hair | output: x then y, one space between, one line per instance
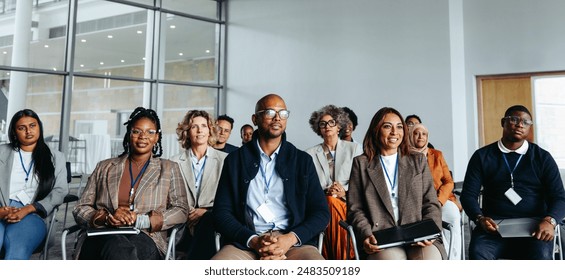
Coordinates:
200 165
333 159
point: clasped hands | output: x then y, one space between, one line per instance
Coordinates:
13 215
271 247
370 244
121 217
336 190
544 231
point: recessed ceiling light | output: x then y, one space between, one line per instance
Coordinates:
173 26
181 54
143 58
82 65
101 62
139 32
54 69
122 61
8 74
207 51
46 46
5 52
83 40
110 36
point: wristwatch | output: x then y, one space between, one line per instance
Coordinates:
552 221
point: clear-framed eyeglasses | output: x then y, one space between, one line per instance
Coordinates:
271 113
516 120
138 132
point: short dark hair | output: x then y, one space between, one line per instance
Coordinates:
244 126
225 118
519 108
412 116
352 116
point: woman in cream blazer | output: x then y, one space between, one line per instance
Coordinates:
332 159
201 166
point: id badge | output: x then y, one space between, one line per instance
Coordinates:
23 197
266 213
513 196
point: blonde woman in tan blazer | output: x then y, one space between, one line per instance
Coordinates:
201 166
390 186
136 189
332 159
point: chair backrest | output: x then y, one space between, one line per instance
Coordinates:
69 176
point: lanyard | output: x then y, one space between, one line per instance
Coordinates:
511 171
263 174
27 171
133 182
198 176
392 183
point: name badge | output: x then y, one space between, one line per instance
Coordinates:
513 196
266 213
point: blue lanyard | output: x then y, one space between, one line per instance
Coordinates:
391 182
263 174
198 176
133 182
27 171
511 171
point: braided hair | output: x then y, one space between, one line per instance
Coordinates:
41 155
137 114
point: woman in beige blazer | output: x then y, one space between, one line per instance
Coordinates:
333 158
136 189
390 186
201 166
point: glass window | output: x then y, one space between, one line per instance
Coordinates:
177 100
39 48
114 44
44 96
203 8
549 103
189 47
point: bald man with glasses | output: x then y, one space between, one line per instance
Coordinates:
269 203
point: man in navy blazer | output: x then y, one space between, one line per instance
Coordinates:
269 203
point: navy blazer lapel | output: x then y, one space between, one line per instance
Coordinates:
377 177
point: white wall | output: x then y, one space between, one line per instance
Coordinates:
510 36
364 54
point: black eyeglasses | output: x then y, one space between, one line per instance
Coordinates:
324 124
271 113
516 120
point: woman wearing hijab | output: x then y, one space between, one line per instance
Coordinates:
443 184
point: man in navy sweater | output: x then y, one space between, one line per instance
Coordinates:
519 180
269 203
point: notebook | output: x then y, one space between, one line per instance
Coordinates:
407 234
105 231
517 227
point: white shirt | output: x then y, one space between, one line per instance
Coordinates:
522 150
390 165
21 190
